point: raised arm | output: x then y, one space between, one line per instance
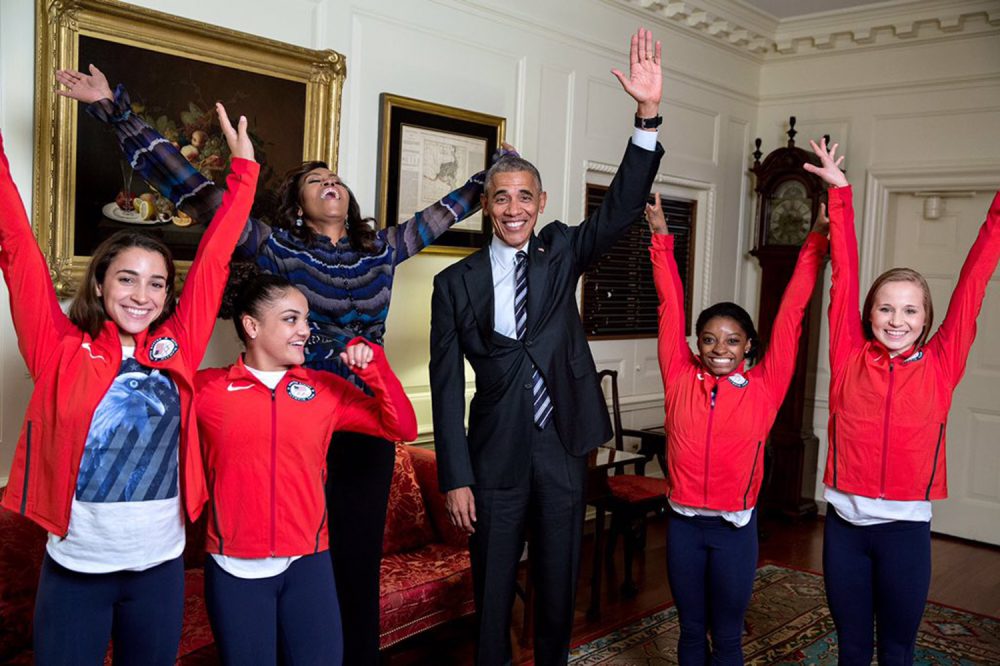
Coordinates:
957 332
778 364
626 198
388 414
672 347
844 314
38 321
428 225
202 294
157 160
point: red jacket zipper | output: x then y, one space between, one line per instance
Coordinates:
274 473
885 431
708 439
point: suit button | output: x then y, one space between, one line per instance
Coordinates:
528 343
527 385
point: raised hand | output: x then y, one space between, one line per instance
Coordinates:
83 87
238 140
829 169
822 223
357 356
645 78
654 216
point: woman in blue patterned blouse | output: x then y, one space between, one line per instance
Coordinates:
322 244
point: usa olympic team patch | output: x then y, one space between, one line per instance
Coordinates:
162 349
738 380
301 392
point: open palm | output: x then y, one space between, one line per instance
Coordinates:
644 82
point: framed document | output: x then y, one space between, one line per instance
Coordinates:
427 150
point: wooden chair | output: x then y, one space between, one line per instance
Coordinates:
633 496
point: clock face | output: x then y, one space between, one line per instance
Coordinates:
790 214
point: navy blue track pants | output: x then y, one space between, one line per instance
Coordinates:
711 565
295 612
141 612
876 576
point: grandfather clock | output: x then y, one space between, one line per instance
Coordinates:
788 199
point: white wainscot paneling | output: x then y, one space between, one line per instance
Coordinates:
983 469
947 135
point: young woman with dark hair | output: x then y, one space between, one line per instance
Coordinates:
891 387
323 245
718 415
108 460
265 424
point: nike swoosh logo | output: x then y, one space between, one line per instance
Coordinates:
86 345
238 388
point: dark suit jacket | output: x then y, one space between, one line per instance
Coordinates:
496 451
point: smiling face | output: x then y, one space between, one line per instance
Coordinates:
134 290
722 345
898 315
323 198
276 337
513 200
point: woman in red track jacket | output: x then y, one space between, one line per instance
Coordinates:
105 455
265 425
718 415
890 393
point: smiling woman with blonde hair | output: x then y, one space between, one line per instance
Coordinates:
890 393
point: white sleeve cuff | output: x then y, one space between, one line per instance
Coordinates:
645 139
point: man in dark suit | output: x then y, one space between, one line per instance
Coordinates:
538 409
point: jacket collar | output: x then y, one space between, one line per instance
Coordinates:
239 370
878 352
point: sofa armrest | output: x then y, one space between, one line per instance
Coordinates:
22 545
425 465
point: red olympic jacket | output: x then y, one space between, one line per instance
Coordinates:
888 416
716 426
265 451
73 371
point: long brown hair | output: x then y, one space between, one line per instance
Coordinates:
87 310
359 231
899 275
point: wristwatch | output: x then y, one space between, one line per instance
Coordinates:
648 123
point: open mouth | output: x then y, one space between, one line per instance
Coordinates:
329 193
514 225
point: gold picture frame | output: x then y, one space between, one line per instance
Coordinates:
443 145
177 53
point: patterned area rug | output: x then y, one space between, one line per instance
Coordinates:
788 623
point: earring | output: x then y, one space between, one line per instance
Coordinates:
253 337
298 222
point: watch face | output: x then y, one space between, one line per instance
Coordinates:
790 214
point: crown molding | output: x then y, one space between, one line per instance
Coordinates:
735 24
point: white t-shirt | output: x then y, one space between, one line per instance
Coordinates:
737 518
863 511
257 567
126 513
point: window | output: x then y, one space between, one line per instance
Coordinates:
619 299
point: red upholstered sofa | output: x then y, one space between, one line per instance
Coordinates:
426 578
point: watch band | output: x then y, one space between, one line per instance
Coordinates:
648 123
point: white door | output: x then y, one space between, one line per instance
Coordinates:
937 248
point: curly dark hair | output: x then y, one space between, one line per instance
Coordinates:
255 292
359 228
741 317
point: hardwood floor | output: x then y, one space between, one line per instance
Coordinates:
965 575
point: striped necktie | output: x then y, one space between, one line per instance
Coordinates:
540 394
